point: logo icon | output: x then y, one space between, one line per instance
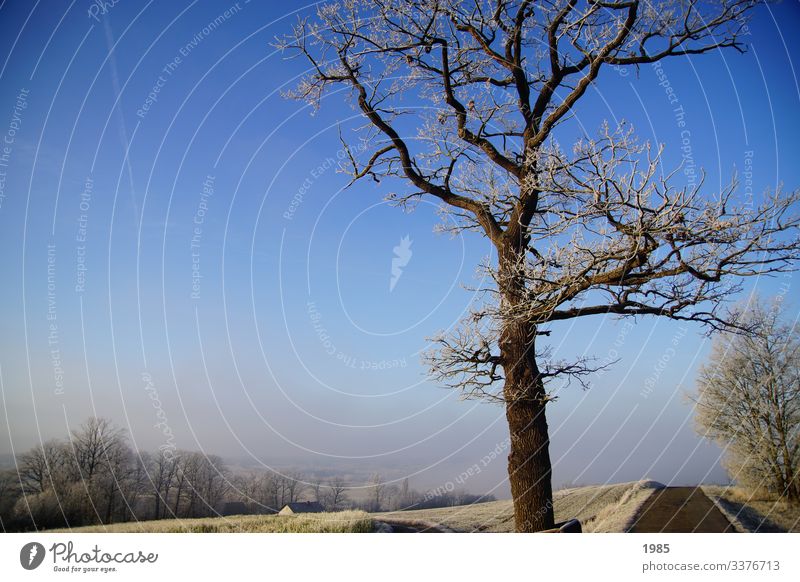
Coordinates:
402 255
31 555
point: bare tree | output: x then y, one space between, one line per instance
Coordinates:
247 490
212 483
189 501
315 485
749 401
377 492
113 480
39 468
337 494
137 487
184 473
162 470
95 477
269 491
93 444
462 101
404 500
100 459
292 485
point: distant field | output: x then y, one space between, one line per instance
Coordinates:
340 522
601 508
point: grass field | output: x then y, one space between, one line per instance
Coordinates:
601 508
340 522
754 511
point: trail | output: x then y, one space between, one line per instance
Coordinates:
410 526
680 510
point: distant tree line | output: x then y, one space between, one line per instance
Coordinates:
95 477
261 492
391 497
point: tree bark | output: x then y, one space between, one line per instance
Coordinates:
110 505
529 468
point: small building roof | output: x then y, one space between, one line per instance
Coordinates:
302 507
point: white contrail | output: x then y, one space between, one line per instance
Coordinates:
402 256
123 130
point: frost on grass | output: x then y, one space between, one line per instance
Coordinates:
754 511
600 508
339 522
618 516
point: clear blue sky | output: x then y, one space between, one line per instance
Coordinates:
209 273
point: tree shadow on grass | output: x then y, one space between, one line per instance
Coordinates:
751 519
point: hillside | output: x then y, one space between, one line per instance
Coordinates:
600 508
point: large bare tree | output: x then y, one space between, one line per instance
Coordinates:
462 101
749 401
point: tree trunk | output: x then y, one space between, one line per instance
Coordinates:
529 469
110 505
178 499
157 503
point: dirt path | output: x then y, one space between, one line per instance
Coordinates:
408 526
680 510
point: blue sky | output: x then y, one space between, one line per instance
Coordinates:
226 263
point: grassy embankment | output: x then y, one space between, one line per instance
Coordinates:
754 511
